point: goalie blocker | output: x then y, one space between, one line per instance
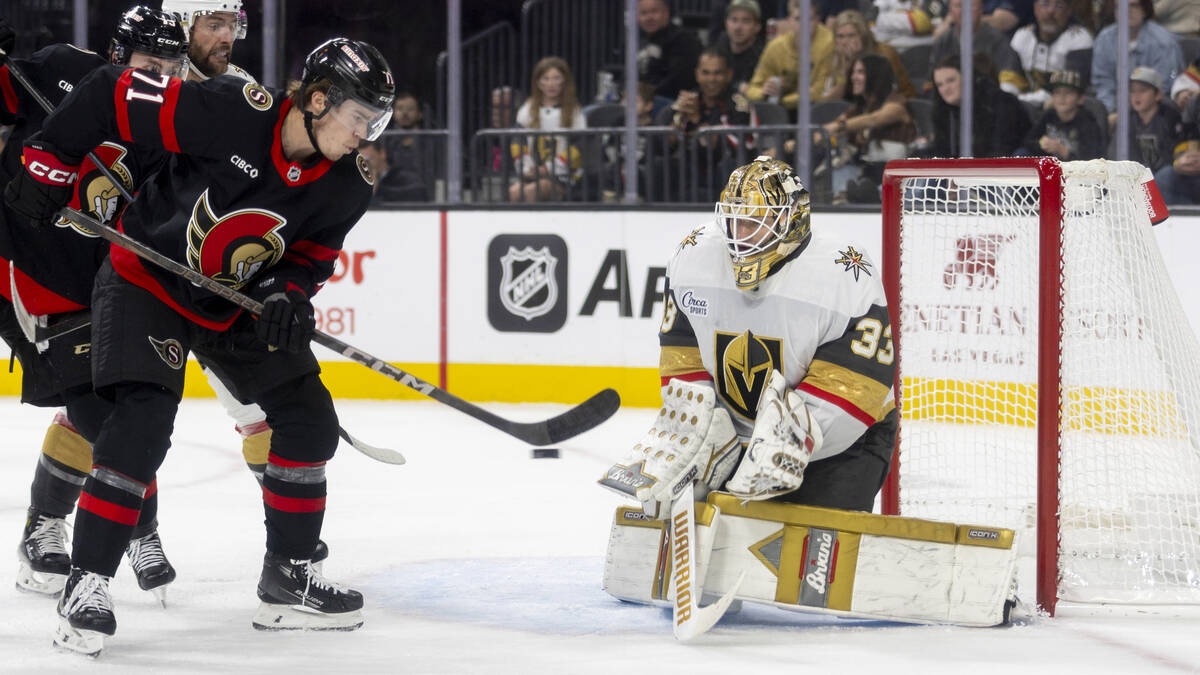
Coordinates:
844 563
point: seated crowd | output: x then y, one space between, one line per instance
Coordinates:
1043 83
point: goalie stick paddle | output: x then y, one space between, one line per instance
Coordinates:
566 425
689 618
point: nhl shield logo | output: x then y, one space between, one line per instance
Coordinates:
527 284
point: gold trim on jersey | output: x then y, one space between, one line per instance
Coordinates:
864 393
673 361
67 447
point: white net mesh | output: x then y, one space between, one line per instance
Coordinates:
1129 444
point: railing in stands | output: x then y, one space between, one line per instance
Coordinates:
589 34
490 61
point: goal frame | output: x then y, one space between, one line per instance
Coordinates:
1049 175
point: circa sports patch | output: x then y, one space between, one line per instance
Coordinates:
257 96
364 168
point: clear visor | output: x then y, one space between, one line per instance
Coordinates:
365 121
215 22
751 229
174 67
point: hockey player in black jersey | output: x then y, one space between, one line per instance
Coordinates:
51 280
262 206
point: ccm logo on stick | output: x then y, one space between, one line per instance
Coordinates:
52 175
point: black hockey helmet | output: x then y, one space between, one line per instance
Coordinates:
356 72
152 32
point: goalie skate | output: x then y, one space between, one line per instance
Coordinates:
43 561
295 596
85 614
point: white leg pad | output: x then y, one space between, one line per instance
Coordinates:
827 561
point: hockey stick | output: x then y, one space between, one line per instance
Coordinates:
566 425
689 618
82 320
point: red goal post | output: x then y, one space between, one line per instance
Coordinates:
1008 278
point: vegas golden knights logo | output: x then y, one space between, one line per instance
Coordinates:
234 247
744 364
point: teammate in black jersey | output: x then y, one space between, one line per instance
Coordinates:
263 206
51 281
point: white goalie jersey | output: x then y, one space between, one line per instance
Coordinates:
821 319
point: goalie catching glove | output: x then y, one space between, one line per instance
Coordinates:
691 440
784 440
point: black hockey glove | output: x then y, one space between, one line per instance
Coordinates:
46 184
8 36
287 320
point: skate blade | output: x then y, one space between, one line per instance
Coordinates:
85 642
41 583
160 594
296 617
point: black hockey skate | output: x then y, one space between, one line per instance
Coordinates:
296 597
151 566
85 613
44 562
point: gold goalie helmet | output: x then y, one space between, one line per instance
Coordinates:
763 212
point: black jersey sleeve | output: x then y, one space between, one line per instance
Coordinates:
149 109
52 70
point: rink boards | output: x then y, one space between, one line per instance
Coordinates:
538 305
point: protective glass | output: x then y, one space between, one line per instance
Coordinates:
751 229
366 121
218 21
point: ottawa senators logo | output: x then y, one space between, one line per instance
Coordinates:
233 248
745 362
258 97
95 194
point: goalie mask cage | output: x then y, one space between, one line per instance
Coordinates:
1047 374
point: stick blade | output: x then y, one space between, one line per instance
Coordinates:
583 417
385 455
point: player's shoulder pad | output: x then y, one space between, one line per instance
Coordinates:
65 55
239 73
844 259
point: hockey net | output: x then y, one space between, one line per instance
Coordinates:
1048 376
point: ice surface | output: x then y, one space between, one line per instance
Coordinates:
475 558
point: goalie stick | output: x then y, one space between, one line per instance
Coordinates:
566 425
689 619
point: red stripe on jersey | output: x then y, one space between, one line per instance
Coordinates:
60 418
314 250
252 429
41 300
108 510
122 105
130 267
166 116
275 459
297 258
10 95
292 504
846 406
150 489
698 376
283 166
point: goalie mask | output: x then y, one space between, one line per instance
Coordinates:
763 212
158 35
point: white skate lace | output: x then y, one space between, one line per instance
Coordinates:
146 552
313 579
90 593
50 535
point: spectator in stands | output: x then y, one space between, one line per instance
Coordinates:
405 159
1065 130
1149 45
715 104
776 76
987 40
547 165
1042 48
1154 129
852 37
1181 17
742 42
875 128
1186 86
999 122
1179 182
1008 15
668 53
392 183
904 23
